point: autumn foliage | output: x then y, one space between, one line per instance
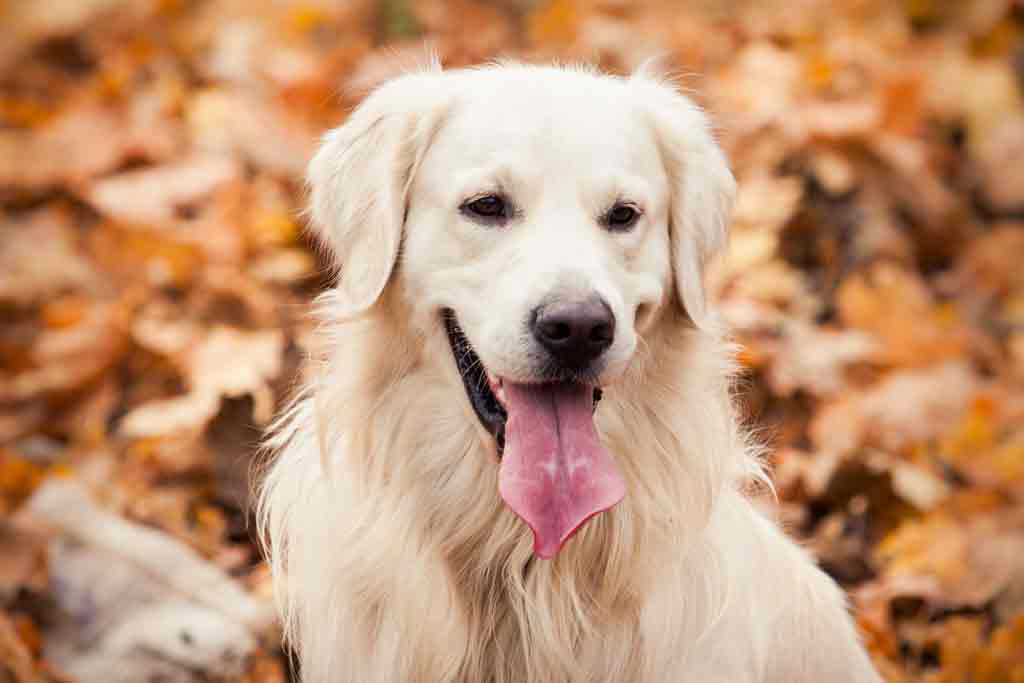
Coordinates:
155 282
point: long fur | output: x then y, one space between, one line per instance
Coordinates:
396 561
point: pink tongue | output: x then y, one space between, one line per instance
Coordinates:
555 473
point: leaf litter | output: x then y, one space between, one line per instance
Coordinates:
155 282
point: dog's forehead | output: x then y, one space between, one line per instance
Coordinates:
539 114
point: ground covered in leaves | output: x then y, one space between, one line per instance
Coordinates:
154 284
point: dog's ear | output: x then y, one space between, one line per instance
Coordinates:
702 189
359 181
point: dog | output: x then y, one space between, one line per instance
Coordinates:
517 459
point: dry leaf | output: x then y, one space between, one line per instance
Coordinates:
16 663
906 408
815 359
67 359
896 307
154 279
226 122
158 195
25 278
227 363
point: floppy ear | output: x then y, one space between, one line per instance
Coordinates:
359 181
702 187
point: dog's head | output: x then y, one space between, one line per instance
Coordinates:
540 219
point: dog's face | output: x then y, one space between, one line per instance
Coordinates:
540 219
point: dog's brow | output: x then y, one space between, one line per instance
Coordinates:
498 179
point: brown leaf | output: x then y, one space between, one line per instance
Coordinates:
234 363
970 557
815 359
81 143
67 359
841 120
284 266
15 658
966 656
554 21
157 194
233 121
897 308
227 363
991 264
25 278
190 412
22 560
906 408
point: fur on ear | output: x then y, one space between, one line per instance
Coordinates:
359 181
703 189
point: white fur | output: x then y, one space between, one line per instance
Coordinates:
394 558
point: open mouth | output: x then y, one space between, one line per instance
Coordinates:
481 387
475 379
555 473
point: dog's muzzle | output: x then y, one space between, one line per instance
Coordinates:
555 473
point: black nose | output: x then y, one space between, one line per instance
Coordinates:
575 332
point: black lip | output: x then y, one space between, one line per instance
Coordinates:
474 378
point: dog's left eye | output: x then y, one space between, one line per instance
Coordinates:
621 217
488 208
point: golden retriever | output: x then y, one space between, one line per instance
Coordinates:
518 460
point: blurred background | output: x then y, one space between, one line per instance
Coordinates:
155 282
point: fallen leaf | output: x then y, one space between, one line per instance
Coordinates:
66 359
815 359
167 417
15 658
897 308
554 21
226 363
157 195
968 656
231 121
22 561
25 278
841 120
284 266
234 363
907 407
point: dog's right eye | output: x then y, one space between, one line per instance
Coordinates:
490 208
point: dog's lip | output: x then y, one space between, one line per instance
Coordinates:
497 385
478 383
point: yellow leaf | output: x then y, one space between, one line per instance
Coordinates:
555 22
18 478
966 657
23 111
64 312
975 433
922 10
820 72
935 546
273 228
211 520
306 18
999 41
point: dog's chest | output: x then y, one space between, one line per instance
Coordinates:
547 635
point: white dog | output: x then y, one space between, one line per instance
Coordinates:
519 343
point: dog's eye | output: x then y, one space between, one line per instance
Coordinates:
621 217
489 208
